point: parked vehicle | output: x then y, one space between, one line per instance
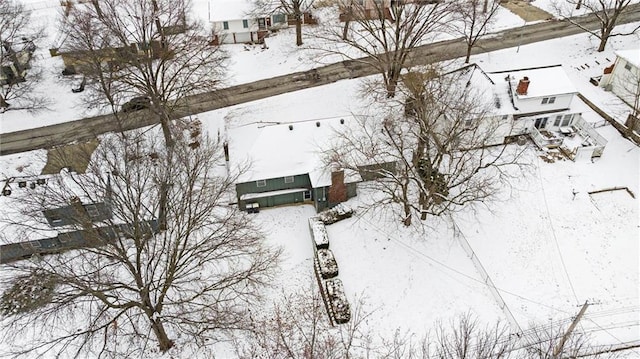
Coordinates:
136 104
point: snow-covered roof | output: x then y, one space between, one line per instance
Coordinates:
287 149
226 10
544 81
200 9
632 56
495 97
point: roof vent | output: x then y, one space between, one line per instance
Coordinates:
290 127
318 124
342 121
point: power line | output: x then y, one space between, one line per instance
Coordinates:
530 330
459 272
553 231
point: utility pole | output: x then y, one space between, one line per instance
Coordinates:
558 349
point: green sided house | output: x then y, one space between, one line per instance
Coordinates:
286 164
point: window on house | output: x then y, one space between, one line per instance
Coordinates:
540 122
548 100
279 18
225 25
567 120
245 24
288 179
556 123
627 66
55 218
261 183
92 211
307 195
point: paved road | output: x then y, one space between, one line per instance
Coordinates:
88 128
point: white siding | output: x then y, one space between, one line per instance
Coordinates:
624 80
534 104
236 27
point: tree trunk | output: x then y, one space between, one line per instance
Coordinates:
579 5
3 103
603 43
469 47
96 5
164 186
298 29
392 82
423 205
164 343
605 31
345 29
407 215
631 124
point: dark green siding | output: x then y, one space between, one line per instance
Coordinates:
319 196
274 184
277 200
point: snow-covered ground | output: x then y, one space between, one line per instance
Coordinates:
548 248
247 63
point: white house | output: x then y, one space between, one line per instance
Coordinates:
237 22
624 78
540 103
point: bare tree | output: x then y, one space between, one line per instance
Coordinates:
129 284
151 49
385 35
298 327
461 338
18 75
475 17
606 11
444 151
148 50
293 8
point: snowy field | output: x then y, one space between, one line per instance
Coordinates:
548 248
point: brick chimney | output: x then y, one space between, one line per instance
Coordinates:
338 190
523 86
608 70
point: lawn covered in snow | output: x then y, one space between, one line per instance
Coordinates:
549 246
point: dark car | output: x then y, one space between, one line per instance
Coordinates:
136 104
